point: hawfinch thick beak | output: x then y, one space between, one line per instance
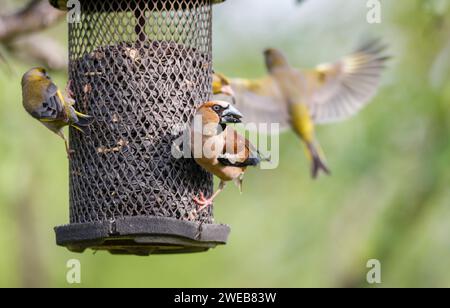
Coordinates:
231 115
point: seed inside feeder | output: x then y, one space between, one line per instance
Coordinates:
137 93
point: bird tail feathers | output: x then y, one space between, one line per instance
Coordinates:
318 163
238 181
82 121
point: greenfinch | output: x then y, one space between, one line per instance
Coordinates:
298 99
218 148
44 101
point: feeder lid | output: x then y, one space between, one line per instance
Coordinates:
62 4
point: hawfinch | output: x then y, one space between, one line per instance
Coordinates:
218 148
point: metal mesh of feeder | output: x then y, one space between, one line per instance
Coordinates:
140 72
140 68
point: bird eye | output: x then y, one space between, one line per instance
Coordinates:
216 108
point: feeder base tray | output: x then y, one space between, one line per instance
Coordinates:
142 236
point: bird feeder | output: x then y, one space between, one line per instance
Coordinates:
140 68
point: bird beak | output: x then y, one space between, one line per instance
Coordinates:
231 115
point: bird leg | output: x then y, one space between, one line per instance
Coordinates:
204 203
66 143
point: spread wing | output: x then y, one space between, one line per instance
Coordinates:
260 101
52 108
340 90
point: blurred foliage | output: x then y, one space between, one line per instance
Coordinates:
388 197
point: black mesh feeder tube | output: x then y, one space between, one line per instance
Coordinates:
140 68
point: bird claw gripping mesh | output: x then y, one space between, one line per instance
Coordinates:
140 68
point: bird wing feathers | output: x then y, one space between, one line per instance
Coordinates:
261 101
238 151
52 108
340 90
333 92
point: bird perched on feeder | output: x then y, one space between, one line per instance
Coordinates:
218 148
301 98
44 101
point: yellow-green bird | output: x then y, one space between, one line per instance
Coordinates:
44 101
301 98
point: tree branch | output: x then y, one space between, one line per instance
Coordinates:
37 15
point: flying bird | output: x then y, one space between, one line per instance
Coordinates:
44 101
219 149
299 99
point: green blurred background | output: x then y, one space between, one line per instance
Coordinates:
388 197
